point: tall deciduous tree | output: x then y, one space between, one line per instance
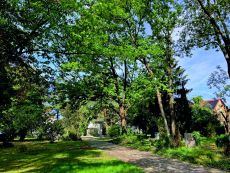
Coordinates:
206 24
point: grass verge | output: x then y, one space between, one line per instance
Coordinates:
70 157
206 154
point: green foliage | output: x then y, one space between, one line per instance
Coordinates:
53 130
135 141
75 121
205 25
163 142
114 131
198 155
22 116
129 139
94 132
197 137
70 135
203 119
222 140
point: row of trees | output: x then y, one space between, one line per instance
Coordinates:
113 56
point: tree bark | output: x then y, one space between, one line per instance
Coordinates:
121 101
159 99
22 135
122 114
170 63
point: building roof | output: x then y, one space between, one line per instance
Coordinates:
213 102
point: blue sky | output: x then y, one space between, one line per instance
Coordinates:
198 68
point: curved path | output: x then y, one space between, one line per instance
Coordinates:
149 162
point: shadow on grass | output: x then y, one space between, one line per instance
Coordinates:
59 157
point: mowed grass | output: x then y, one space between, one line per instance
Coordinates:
63 157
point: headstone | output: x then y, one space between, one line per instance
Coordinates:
189 140
157 135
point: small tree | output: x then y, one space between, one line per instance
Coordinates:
203 119
53 130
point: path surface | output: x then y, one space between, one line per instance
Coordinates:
149 162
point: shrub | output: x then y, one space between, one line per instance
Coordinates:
114 131
222 140
117 140
197 137
53 130
129 139
73 137
94 132
163 142
39 133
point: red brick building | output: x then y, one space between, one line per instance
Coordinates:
221 111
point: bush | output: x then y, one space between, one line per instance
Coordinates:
222 141
163 142
94 132
39 133
117 140
53 130
114 131
197 137
73 137
129 139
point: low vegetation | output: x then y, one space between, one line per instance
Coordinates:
206 153
70 156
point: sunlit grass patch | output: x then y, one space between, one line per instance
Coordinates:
68 156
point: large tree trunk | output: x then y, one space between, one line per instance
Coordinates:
159 100
22 135
122 114
170 63
172 114
121 101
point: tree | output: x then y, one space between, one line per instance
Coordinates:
183 106
27 30
75 122
25 112
203 119
220 81
206 24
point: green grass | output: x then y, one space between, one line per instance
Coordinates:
68 157
198 155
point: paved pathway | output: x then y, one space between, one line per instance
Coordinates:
149 162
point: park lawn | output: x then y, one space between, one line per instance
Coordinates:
68 157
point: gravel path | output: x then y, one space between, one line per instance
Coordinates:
149 162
